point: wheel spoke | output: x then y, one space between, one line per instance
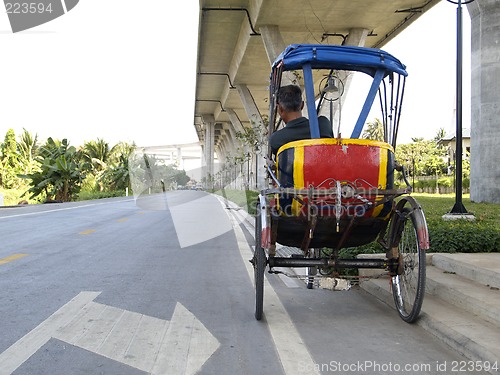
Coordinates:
408 288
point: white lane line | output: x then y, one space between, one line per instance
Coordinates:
24 348
292 351
64 209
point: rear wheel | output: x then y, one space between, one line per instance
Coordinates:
259 266
408 282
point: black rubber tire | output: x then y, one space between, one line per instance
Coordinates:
259 266
408 287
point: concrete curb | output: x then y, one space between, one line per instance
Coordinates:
465 294
482 268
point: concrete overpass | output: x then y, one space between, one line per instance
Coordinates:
239 39
186 156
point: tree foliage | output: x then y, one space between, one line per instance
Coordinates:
9 160
117 174
27 148
422 158
148 172
58 171
61 171
374 130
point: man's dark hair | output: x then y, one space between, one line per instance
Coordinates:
290 98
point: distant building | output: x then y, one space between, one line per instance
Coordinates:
450 142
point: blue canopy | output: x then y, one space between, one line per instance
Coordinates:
321 56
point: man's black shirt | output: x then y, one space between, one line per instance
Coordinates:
299 129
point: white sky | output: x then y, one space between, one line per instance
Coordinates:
428 49
123 70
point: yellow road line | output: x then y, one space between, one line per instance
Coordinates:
87 231
12 257
122 220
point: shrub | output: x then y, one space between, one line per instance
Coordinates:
463 236
445 182
88 195
243 198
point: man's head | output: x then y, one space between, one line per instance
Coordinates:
290 98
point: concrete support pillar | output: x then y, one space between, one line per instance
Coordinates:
235 121
273 41
357 37
274 45
209 149
260 131
179 161
237 127
227 146
231 144
485 105
230 135
247 149
222 154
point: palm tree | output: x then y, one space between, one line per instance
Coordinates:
117 175
440 134
9 160
27 147
61 171
374 130
97 155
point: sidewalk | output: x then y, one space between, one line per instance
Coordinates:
462 303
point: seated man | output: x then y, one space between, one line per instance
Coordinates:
290 106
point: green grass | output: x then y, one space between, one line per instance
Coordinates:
243 198
12 197
436 205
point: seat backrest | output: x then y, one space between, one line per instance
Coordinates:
320 163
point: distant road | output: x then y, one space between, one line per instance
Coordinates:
163 285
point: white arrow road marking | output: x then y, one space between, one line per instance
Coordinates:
24 348
179 346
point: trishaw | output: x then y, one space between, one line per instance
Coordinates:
335 193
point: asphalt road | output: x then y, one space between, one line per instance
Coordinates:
162 285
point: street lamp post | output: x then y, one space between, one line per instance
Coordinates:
257 153
248 170
458 207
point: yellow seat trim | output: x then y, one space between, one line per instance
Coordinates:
335 141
